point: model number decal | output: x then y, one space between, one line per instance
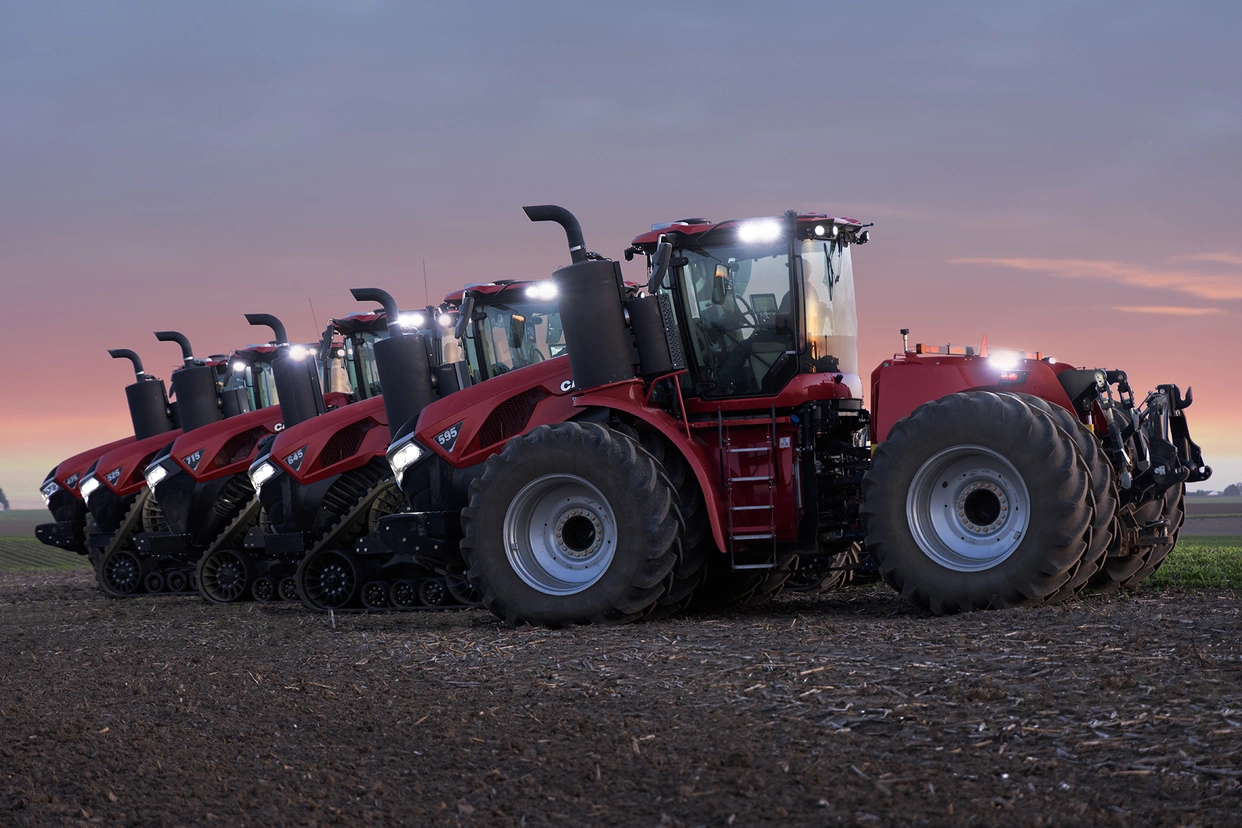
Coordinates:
448 438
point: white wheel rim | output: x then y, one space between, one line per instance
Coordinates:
560 534
968 508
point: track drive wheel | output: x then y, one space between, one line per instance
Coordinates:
225 576
572 523
120 574
977 501
329 579
460 588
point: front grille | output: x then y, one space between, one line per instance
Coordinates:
510 417
239 446
345 443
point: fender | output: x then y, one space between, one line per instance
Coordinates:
122 469
901 384
69 472
225 448
627 397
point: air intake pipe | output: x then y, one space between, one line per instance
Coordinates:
194 386
147 398
402 362
297 381
589 293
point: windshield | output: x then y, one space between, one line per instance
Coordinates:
256 379
513 335
359 356
742 315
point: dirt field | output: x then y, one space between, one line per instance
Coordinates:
854 709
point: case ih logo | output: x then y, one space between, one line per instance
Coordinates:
192 460
448 438
294 461
113 476
71 482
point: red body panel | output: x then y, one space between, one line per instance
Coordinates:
69 472
363 424
227 447
803 388
476 407
121 470
902 384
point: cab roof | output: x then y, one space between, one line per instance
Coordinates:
700 227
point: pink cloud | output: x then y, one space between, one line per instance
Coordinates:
1200 285
1167 310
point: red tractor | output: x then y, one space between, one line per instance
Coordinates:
151 415
149 518
325 484
717 433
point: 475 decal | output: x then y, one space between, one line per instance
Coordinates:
448 438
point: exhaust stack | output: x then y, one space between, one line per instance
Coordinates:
589 292
194 386
147 399
403 363
297 381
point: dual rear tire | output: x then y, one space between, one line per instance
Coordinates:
979 500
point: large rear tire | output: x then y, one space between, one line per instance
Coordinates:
977 501
1103 489
572 523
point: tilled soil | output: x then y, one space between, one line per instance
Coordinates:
853 709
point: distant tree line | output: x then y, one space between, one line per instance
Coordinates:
4 501
1232 490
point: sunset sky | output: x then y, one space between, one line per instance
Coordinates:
1058 176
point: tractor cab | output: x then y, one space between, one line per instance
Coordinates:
249 371
512 325
346 354
760 301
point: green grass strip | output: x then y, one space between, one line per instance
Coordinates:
24 553
1203 562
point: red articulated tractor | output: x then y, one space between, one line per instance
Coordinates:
719 434
151 415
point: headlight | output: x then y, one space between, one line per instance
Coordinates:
154 474
403 454
88 487
50 488
261 472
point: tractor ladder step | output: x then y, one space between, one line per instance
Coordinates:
755 566
754 479
755 449
755 536
749 508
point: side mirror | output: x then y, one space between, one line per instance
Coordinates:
464 316
517 330
659 264
720 284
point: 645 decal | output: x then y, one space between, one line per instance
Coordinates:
448 438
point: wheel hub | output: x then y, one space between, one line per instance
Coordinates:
560 534
968 508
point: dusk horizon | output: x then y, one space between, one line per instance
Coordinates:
1056 178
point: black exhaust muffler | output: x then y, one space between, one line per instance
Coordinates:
590 295
297 380
147 398
194 386
403 363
